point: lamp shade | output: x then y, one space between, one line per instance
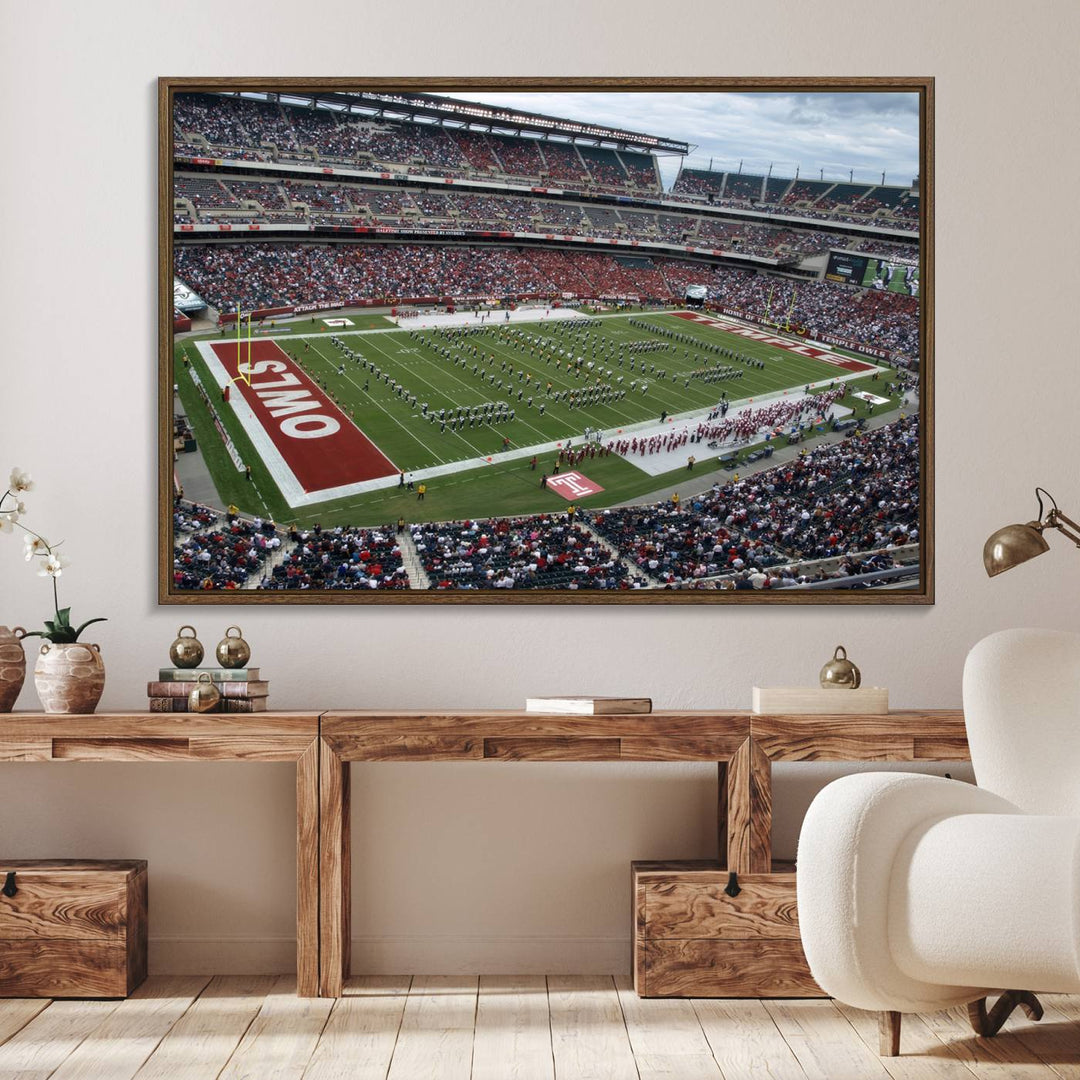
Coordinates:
1012 545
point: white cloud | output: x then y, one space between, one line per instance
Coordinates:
864 132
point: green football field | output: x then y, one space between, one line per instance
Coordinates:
522 357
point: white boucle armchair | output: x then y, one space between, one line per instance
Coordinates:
917 893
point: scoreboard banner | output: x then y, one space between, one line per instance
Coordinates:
845 268
870 272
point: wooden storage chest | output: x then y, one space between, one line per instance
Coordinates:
71 928
692 939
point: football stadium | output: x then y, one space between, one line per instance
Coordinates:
428 343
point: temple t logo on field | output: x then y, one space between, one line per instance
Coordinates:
573 485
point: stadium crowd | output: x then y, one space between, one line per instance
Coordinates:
859 495
213 200
857 204
290 273
340 558
546 551
257 130
215 552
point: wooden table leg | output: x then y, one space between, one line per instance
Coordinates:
307 872
722 813
334 872
749 810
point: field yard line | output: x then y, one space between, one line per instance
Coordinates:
805 367
471 390
653 380
458 379
557 380
458 434
378 406
703 332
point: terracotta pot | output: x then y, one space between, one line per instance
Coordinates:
69 678
12 666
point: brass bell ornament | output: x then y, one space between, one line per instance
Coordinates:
233 652
840 673
204 696
186 652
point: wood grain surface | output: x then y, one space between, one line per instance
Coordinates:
138 725
764 908
891 737
307 871
753 967
522 1028
42 967
73 929
358 1041
73 904
335 874
749 810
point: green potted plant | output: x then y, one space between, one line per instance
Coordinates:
69 674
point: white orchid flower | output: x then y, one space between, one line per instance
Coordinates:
34 545
20 481
53 566
7 520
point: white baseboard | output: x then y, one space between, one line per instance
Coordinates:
429 954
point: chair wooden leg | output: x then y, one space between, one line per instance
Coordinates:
988 1024
889 1033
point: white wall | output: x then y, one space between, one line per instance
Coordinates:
494 867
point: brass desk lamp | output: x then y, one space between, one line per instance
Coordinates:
1014 544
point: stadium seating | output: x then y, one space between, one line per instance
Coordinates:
842 195
340 558
236 128
743 188
212 552
564 164
545 551
290 273
865 498
775 189
699 182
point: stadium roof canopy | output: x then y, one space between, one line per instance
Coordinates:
454 112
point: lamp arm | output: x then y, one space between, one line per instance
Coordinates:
1057 520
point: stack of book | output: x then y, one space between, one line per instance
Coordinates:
241 689
588 706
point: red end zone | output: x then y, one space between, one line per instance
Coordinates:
320 444
813 351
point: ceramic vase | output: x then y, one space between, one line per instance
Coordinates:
12 666
69 678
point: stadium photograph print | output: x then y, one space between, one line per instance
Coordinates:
546 341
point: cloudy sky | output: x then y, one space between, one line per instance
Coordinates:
866 132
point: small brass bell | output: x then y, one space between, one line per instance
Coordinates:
186 652
840 673
233 652
204 695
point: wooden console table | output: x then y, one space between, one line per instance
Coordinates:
323 745
260 737
742 744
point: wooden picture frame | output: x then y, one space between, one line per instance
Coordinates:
175 586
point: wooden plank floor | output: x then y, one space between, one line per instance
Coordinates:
524 1027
